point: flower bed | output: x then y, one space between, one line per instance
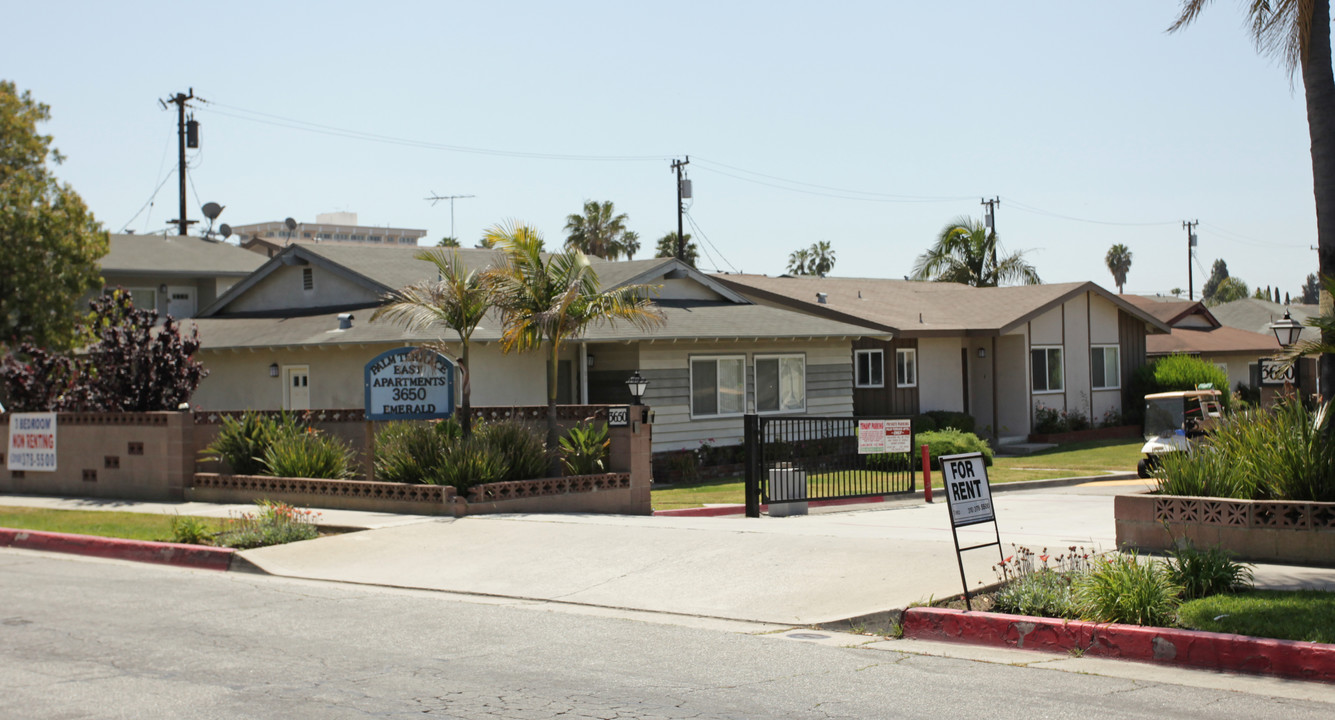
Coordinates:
1102 433
1254 530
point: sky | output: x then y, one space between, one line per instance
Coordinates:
870 125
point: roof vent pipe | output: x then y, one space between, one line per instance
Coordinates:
821 297
344 321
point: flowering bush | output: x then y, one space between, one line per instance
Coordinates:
274 523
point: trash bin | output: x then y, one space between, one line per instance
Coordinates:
787 491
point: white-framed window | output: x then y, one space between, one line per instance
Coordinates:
1106 367
868 368
718 385
1046 366
781 383
143 298
906 367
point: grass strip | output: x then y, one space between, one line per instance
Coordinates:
102 523
1307 615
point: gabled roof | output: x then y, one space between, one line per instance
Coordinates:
176 255
1255 315
1195 341
1173 310
923 309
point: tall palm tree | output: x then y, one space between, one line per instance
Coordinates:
1297 32
799 261
552 299
1119 263
965 252
630 243
458 300
598 231
822 258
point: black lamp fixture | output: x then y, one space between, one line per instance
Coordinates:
273 370
637 385
1286 330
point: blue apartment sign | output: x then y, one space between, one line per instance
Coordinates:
402 384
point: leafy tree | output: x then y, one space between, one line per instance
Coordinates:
667 247
1311 291
599 231
1261 294
1218 273
1176 292
815 260
458 300
448 241
1298 34
1230 289
1119 263
553 299
966 252
51 241
133 365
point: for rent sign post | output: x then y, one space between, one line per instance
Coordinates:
969 497
409 384
32 442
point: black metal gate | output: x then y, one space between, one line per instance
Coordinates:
820 455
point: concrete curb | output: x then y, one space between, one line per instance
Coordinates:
722 510
1189 648
164 553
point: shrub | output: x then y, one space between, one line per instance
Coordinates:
1049 421
242 443
952 442
522 451
584 449
309 454
274 523
1122 590
409 452
949 419
1206 572
1180 372
1044 593
190 530
685 465
470 462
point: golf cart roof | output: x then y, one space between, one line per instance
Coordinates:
1183 394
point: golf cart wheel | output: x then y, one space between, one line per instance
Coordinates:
1145 468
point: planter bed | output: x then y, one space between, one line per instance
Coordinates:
1253 530
315 492
1108 433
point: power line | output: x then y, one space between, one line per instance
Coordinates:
696 227
1038 211
842 192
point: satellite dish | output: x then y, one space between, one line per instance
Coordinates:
226 230
212 210
290 223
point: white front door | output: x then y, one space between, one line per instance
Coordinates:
296 387
181 301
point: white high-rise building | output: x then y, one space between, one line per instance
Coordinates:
336 227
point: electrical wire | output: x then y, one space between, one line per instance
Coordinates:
831 191
148 203
717 268
1245 240
1012 202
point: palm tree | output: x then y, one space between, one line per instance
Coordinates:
667 247
799 260
458 300
1298 33
1119 263
510 231
815 260
448 241
598 231
553 299
630 243
965 252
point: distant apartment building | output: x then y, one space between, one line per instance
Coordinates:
338 227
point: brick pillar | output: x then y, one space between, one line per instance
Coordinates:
180 453
631 451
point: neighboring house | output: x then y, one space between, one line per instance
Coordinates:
1198 332
338 227
995 353
176 274
1255 315
296 334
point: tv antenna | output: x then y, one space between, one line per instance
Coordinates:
437 198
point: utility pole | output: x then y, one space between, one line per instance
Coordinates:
1191 243
990 221
683 192
437 198
187 133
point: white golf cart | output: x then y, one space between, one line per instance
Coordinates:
1174 421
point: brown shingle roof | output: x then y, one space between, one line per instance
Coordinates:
1210 340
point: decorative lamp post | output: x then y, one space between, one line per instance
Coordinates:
637 385
1286 330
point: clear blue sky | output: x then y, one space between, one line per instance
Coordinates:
867 124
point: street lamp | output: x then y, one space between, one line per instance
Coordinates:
637 385
1286 330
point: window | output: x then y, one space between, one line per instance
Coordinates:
781 383
307 279
868 368
1046 365
1105 363
906 367
718 386
143 298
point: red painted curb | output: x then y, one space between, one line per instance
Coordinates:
741 509
1190 648
165 553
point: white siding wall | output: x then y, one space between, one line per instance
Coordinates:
282 289
940 383
1103 316
683 290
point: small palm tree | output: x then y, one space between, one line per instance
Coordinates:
458 300
1119 263
555 298
630 243
598 231
815 260
667 247
966 252
799 261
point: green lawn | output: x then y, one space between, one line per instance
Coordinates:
108 523
1284 615
1087 458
